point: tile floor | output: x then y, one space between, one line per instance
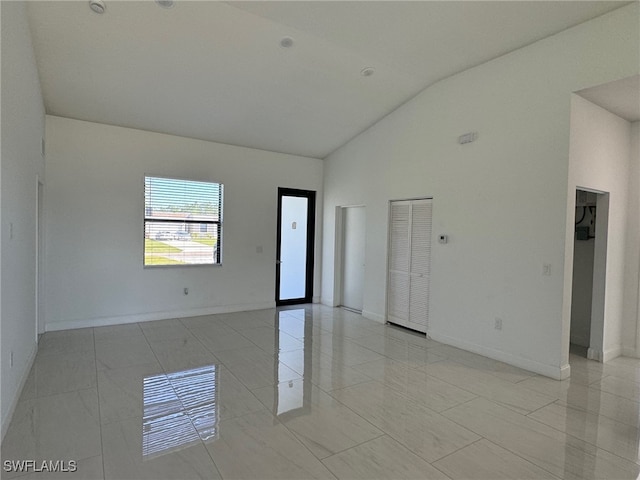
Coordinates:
313 392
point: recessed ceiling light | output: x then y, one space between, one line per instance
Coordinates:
97 6
286 42
166 3
367 72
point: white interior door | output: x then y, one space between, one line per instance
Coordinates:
353 258
410 227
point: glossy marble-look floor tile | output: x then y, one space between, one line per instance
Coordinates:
123 352
259 446
309 391
489 386
618 386
234 399
420 429
116 332
63 427
416 384
182 353
484 460
126 455
67 341
161 330
615 437
482 364
580 396
319 421
382 458
552 450
120 391
396 349
63 372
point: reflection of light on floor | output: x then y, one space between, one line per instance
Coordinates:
290 394
180 409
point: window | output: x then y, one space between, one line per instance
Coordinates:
182 222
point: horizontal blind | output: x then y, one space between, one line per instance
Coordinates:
175 199
182 221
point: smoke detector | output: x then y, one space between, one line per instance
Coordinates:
97 6
286 42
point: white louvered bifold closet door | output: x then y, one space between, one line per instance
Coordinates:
410 263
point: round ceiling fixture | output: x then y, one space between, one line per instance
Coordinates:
166 3
286 42
367 71
97 6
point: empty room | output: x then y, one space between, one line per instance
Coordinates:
320 239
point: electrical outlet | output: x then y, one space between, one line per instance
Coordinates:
498 324
546 269
186 291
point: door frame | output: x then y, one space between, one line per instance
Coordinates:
310 195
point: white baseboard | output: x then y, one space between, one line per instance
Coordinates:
611 353
14 402
630 352
147 317
594 354
327 302
555 372
315 299
374 316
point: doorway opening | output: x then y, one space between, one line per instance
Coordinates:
589 268
353 258
295 246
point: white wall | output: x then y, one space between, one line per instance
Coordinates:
599 159
502 200
94 217
22 162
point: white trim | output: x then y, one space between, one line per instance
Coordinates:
328 301
630 352
316 299
611 353
14 403
552 371
146 317
594 354
374 316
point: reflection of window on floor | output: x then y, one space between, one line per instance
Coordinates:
180 409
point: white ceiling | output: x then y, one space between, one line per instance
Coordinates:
216 70
621 97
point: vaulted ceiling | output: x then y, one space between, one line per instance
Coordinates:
218 71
